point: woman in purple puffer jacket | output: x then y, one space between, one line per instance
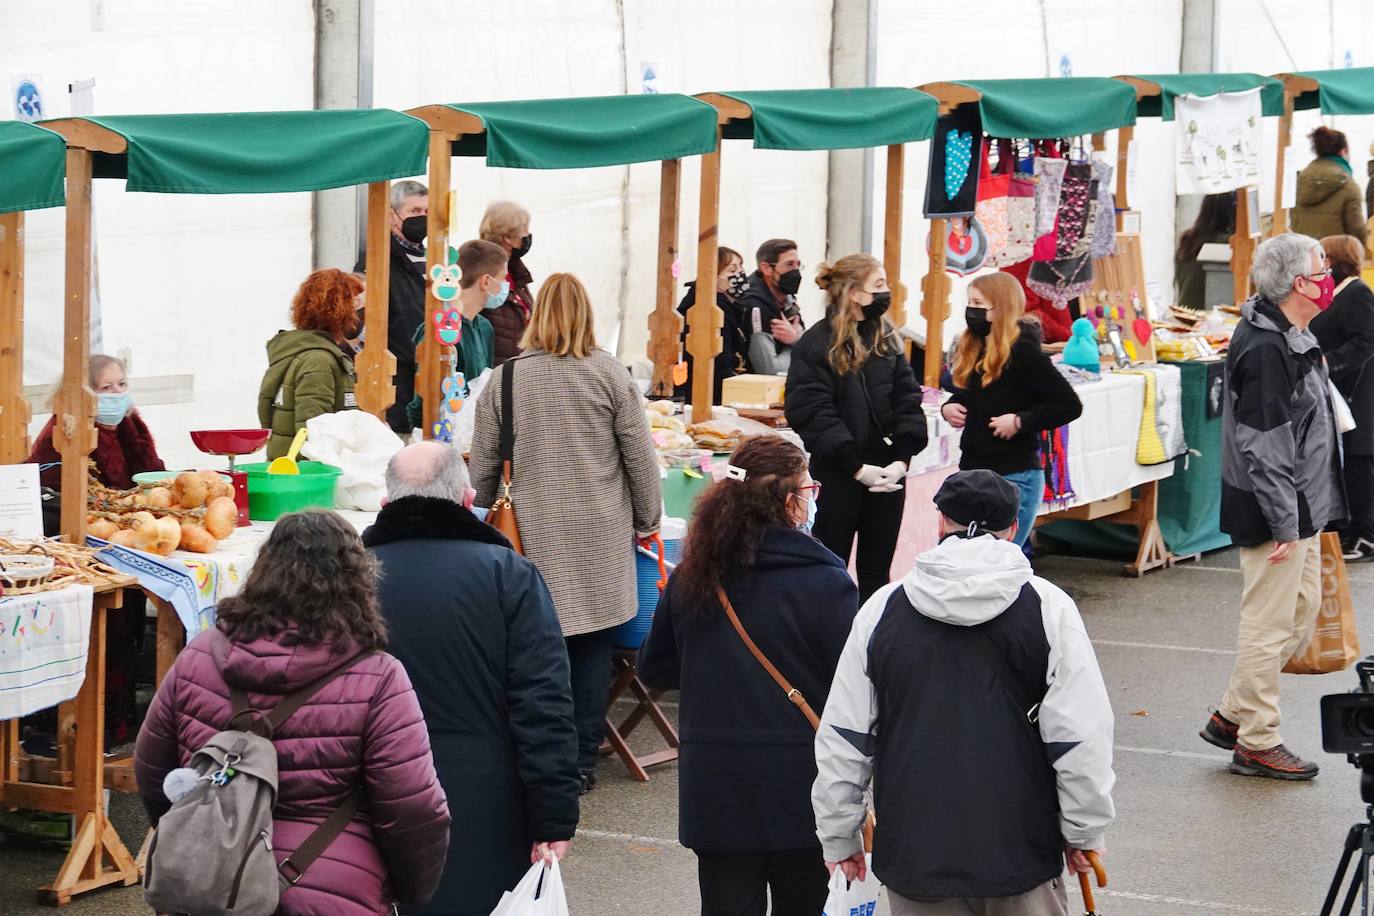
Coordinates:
308 605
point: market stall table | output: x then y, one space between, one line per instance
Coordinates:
1101 457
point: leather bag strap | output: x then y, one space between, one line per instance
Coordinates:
312 847
793 694
273 718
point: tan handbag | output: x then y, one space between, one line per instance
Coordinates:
1335 642
793 694
502 515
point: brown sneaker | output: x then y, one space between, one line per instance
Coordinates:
1276 763
1220 731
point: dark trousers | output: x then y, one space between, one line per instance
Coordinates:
1359 490
404 380
739 883
589 663
846 510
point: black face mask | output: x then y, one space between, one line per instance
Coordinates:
977 322
739 282
415 228
524 248
878 307
790 282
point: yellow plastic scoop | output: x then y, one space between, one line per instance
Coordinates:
286 464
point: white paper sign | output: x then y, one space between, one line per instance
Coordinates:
21 503
1220 142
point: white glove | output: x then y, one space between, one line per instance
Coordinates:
894 473
870 475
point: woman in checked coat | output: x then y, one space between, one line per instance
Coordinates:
584 483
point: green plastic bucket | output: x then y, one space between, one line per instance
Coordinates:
270 496
680 491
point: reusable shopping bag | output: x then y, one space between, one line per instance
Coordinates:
539 893
1335 643
852 898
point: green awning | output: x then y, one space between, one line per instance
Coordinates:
32 164
581 133
1172 85
263 152
1341 92
1038 109
813 119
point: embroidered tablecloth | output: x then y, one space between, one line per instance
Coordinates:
43 644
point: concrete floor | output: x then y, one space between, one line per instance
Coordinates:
1190 837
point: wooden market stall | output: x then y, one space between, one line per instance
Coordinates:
575 133
246 153
1349 91
1021 109
801 119
1155 96
231 153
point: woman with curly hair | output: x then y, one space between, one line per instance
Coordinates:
309 609
747 764
308 372
852 397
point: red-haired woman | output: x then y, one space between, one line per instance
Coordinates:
308 373
747 764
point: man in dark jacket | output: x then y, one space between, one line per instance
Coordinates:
474 625
992 764
767 314
1280 486
406 291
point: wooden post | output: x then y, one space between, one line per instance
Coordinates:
74 406
14 409
1242 247
665 324
935 301
704 318
892 231
376 365
430 350
1280 224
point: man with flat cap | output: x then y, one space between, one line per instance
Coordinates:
969 696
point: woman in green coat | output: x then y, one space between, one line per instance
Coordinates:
1329 200
308 373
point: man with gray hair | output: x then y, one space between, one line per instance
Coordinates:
1280 486
406 292
473 623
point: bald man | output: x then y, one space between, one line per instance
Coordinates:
474 625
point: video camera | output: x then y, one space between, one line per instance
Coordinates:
1348 719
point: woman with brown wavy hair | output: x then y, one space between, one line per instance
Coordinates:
308 609
1006 392
747 765
308 373
852 397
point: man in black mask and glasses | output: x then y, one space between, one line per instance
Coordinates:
767 310
406 292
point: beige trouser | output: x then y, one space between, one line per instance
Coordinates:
1278 609
1046 900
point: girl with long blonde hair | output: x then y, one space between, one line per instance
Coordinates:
1006 391
853 399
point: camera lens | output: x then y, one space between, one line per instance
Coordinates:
1360 722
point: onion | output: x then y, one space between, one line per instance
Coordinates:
103 528
190 489
221 517
124 538
160 498
167 535
196 539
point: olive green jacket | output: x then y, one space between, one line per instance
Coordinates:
307 375
1328 201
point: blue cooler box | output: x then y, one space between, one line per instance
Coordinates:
631 633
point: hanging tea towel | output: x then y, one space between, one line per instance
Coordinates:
43 644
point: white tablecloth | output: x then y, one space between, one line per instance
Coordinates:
44 639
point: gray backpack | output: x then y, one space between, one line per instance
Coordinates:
212 852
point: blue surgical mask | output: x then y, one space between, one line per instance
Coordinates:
496 300
810 517
112 408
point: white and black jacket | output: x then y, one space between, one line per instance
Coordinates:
971 798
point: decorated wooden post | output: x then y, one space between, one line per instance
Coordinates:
1293 86
1242 247
429 352
665 324
935 302
74 406
376 365
14 409
892 231
704 318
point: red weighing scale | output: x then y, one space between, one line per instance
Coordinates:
233 443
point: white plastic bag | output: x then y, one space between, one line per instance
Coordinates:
1345 420
462 423
533 897
852 898
359 445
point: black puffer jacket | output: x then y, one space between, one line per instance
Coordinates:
846 420
405 304
733 346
